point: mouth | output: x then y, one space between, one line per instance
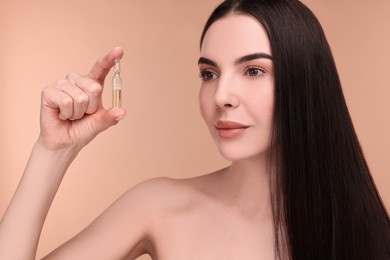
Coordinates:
229 129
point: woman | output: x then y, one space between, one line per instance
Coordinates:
298 186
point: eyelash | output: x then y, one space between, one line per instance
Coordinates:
207 75
251 69
204 75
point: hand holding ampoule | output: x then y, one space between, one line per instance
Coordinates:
72 114
72 111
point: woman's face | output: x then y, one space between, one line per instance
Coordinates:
237 92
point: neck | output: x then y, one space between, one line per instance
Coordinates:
247 185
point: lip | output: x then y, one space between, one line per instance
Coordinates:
229 129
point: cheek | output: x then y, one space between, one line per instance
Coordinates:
270 105
261 106
205 104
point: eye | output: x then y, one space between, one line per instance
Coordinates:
207 75
254 72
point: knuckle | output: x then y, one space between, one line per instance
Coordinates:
89 85
47 92
81 99
61 82
95 89
72 75
66 101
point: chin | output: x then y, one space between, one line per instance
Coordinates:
238 155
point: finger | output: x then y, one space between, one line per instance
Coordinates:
59 101
106 118
93 89
101 68
79 99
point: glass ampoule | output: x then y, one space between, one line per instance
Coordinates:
117 85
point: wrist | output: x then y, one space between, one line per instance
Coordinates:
57 155
44 145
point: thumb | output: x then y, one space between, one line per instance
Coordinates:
106 118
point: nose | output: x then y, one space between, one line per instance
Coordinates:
226 95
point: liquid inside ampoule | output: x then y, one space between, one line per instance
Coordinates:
116 98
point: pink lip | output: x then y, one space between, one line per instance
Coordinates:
229 129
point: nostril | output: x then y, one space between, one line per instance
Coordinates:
226 100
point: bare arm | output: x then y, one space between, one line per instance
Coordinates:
72 114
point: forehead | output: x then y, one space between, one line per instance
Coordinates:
235 36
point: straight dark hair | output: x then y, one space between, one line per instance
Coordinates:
325 203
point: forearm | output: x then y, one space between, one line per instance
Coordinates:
22 223
72 114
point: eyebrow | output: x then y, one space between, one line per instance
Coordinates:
253 56
246 58
203 60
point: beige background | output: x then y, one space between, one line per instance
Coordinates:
42 40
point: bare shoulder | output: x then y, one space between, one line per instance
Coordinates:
165 194
170 197
136 217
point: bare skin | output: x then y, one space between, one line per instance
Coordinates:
221 215
176 219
